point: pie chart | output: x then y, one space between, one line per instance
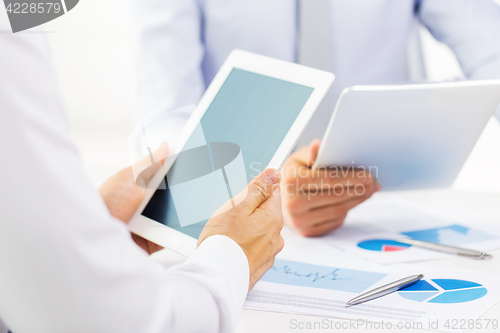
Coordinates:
383 245
444 291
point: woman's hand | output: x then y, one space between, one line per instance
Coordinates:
123 194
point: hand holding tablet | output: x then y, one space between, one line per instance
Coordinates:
249 119
255 224
409 136
316 201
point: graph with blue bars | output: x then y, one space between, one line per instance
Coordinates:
306 275
444 291
455 235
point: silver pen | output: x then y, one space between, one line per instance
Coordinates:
448 249
385 289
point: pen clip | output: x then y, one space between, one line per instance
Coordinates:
479 256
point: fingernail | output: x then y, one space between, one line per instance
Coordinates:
315 142
163 147
272 176
367 180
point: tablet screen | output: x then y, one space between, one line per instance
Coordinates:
236 139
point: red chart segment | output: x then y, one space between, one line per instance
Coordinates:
393 248
383 245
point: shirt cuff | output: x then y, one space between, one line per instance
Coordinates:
226 256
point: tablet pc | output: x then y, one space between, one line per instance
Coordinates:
249 119
409 136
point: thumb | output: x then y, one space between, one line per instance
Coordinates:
145 169
313 152
260 189
307 155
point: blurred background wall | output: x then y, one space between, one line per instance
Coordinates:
92 52
93 56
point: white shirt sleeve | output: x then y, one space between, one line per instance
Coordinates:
66 264
471 28
169 55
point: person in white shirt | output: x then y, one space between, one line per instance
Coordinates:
182 44
67 262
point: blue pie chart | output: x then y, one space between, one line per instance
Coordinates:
444 291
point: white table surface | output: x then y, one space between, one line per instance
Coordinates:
485 204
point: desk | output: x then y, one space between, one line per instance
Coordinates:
487 205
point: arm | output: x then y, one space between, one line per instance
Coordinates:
471 28
169 55
67 265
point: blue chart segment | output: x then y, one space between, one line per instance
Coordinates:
305 275
383 245
451 235
444 291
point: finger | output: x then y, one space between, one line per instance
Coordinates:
327 179
313 152
323 228
306 156
328 213
272 206
335 211
148 166
162 152
303 202
260 189
146 245
281 245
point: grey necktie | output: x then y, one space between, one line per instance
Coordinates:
314 34
314 49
